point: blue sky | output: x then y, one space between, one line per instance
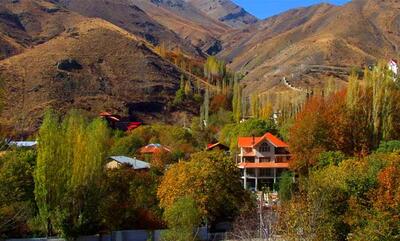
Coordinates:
267 8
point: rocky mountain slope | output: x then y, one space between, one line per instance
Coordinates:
24 24
128 16
355 34
91 65
225 11
187 21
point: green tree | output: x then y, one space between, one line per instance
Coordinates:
68 172
230 133
389 146
237 100
182 218
286 186
17 204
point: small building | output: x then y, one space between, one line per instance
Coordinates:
151 149
120 123
23 144
262 160
117 161
217 146
393 66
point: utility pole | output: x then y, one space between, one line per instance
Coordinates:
260 214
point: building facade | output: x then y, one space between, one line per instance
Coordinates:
262 161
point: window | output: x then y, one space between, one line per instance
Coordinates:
265 147
267 172
265 159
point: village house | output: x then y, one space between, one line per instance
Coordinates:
217 146
262 161
22 144
152 149
118 161
120 123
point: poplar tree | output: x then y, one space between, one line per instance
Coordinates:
50 172
237 100
206 106
69 168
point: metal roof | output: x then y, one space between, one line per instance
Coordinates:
135 163
22 143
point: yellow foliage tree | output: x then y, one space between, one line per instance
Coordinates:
211 179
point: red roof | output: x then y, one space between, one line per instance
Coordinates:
211 146
252 141
266 165
153 148
133 125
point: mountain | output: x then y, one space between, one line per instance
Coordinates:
299 43
225 11
24 24
128 16
187 21
92 65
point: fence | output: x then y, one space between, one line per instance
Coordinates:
124 235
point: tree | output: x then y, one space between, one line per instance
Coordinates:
180 93
286 186
68 172
130 200
206 105
211 179
382 218
389 146
17 206
230 133
183 217
237 100
126 145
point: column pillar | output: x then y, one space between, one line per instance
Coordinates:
256 183
245 179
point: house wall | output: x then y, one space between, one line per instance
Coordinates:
112 165
256 175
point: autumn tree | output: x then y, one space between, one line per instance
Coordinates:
211 179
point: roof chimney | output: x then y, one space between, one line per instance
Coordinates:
254 140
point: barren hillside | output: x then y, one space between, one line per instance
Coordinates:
187 21
26 23
81 69
225 11
355 34
128 16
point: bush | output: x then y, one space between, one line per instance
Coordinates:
286 186
388 146
182 219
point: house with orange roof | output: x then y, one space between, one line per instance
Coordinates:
262 160
152 148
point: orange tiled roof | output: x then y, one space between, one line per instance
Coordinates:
153 148
266 165
250 141
249 154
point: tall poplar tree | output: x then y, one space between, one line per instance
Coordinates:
68 173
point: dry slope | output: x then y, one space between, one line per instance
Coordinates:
128 16
81 69
355 34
